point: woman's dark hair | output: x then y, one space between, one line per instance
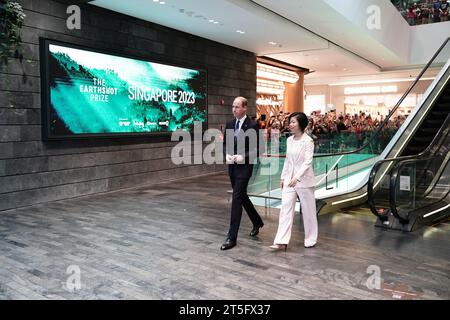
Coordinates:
301 118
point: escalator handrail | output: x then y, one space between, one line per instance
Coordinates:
443 131
370 193
386 120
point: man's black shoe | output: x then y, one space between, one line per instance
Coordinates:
255 230
228 244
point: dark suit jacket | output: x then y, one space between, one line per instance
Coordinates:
244 146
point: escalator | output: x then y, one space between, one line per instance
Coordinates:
413 137
430 126
342 176
419 185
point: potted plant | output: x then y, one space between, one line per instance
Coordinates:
11 21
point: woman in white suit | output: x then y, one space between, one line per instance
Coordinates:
297 178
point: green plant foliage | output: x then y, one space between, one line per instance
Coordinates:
11 21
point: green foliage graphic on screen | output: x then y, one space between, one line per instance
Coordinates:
95 93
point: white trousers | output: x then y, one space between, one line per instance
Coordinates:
286 220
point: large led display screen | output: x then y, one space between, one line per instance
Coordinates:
89 93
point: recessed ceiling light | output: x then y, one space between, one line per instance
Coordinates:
211 20
155 0
345 69
272 43
216 22
162 2
240 31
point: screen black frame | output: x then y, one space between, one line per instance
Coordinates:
45 93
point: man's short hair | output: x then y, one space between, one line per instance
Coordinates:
243 100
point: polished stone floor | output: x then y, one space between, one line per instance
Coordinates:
162 242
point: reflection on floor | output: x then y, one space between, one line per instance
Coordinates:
162 242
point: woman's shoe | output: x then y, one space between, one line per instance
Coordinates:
311 246
279 247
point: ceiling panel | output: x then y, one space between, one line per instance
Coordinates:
270 28
220 20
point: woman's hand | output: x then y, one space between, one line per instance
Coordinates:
292 183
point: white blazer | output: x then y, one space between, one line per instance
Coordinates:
298 162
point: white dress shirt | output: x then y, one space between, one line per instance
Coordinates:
241 121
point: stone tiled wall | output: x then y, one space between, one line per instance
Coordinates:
33 171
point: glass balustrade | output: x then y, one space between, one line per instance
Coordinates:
336 172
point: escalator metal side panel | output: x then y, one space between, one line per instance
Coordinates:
418 218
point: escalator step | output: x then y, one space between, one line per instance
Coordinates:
429 130
421 140
421 137
435 122
415 149
439 113
435 127
441 107
442 103
436 116
421 144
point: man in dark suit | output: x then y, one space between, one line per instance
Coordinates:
241 147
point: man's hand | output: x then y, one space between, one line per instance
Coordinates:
238 158
229 159
292 183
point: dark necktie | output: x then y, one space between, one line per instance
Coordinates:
236 128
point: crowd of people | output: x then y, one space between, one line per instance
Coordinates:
331 122
336 132
424 11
